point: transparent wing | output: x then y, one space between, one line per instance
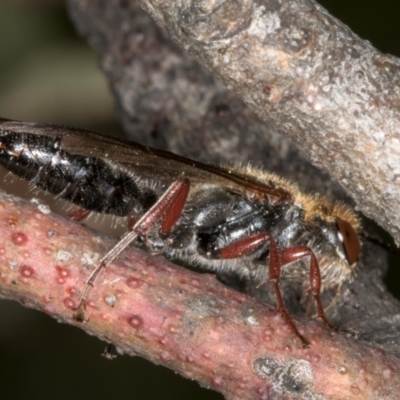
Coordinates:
146 162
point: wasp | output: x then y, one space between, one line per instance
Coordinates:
244 220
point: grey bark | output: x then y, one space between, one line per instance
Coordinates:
301 70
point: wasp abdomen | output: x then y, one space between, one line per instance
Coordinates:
89 182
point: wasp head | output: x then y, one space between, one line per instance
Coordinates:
335 241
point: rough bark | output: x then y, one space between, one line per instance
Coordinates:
304 73
189 322
166 99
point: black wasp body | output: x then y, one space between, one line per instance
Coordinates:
227 220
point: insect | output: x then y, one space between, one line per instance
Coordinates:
246 221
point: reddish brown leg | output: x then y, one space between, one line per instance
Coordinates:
78 214
167 210
248 244
293 254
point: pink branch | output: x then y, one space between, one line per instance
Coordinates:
191 323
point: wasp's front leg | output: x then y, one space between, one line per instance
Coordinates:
295 253
247 245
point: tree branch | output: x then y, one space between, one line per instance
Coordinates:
189 322
165 99
305 73
312 79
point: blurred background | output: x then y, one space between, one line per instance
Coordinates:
48 74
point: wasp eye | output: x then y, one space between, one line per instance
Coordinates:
350 240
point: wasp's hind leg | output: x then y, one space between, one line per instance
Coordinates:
167 209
